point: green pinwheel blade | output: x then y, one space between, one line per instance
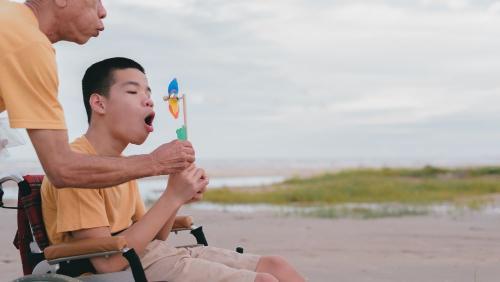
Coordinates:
181 133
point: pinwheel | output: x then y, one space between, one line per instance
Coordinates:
173 106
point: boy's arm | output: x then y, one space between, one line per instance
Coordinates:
167 228
112 263
66 168
181 188
137 236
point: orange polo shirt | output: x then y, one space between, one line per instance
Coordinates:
28 72
70 209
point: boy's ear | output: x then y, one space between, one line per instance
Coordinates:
97 103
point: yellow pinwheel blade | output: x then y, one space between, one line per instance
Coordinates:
173 107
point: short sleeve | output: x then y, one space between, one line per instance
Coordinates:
79 208
29 88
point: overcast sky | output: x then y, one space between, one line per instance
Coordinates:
309 79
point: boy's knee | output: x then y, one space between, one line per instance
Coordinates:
265 277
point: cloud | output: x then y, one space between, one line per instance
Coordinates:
345 72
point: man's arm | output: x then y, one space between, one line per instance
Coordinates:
66 168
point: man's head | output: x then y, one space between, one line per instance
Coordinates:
70 20
117 97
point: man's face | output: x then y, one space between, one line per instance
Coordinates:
129 108
81 20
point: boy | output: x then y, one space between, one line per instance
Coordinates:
120 111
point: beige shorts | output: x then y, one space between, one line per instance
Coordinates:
163 262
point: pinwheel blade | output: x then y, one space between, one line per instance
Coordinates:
173 107
173 87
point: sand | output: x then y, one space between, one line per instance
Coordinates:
426 248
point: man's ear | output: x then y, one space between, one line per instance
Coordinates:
97 103
61 3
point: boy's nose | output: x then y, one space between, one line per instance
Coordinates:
149 102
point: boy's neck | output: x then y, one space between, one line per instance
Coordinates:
104 143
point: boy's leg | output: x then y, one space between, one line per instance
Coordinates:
227 257
164 263
279 268
274 265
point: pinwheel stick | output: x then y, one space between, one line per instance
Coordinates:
185 113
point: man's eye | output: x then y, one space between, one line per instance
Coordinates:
132 92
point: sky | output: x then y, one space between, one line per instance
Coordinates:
301 79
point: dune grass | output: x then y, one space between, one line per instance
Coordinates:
407 186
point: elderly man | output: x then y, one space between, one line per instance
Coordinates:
29 88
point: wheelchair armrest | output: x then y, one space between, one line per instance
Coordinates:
86 247
182 223
96 247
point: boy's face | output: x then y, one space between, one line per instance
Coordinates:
129 108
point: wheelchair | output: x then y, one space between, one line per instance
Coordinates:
70 261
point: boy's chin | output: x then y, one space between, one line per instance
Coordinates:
139 140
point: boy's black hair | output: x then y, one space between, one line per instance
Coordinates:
99 77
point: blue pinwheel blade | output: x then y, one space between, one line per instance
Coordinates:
173 87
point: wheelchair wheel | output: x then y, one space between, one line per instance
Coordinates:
46 278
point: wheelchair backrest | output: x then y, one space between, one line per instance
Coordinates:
31 236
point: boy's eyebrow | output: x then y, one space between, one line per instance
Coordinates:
148 89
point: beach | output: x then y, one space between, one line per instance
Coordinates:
423 248
356 139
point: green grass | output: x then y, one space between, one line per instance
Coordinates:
363 212
407 186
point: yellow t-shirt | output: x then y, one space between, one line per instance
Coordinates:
28 72
71 209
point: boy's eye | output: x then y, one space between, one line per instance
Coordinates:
132 92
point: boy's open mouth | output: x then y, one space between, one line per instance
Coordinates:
149 121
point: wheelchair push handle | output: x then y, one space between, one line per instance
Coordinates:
5 178
10 177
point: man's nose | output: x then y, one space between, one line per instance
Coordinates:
101 11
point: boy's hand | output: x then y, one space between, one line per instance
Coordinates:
173 157
199 195
187 185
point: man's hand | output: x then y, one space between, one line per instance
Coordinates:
187 185
173 157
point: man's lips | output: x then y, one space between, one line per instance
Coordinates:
98 30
